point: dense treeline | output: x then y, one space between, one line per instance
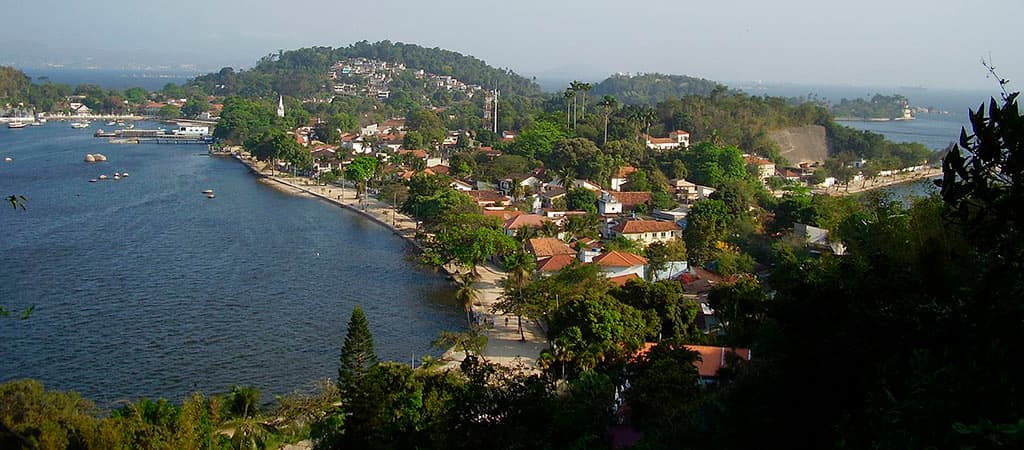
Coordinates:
877 107
652 88
303 73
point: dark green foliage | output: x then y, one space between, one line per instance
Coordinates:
357 355
580 199
848 144
243 401
741 308
877 107
664 397
653 88
675 311
706 224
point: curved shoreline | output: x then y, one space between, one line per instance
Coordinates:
402 226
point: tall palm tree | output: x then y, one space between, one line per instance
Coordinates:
465 293
519 266
576 87
569 93
607 104
584 87
549 229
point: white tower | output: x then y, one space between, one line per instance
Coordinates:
280 106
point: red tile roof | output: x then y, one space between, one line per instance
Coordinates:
555 263
645 226
757 160
417 153
625 171
657 141
629 200
525 220
711 358
441 169
619 259
544 247
623 279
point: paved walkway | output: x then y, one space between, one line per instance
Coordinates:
504 344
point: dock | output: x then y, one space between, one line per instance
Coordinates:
152 137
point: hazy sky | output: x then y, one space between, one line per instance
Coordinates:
930 43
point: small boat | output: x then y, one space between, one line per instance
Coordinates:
79 125
15 125
90 158
103 177
8 159
111 123
210 196
208 192
130 126
120 124
124 175
117 177
93 180
100 157
36 124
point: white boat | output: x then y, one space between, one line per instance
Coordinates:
111 123
124 175
15 125
79 125
103 177
208 191
36 124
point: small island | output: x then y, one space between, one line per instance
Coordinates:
878 108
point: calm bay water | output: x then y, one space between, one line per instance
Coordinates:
935 131
144 287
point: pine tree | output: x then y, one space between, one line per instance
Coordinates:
357 356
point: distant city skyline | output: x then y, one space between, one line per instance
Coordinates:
932 44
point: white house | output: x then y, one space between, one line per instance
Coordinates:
608 205
675 139
647 231
617 264
621 176
765 168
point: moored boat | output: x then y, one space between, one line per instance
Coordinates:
15 125
79 125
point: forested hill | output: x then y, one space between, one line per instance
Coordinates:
651 88
303 72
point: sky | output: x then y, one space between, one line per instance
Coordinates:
919 43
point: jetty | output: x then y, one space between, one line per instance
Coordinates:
152 137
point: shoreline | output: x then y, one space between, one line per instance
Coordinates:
400 225
504 346
884 182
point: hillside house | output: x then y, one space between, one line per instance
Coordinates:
647 231
618 264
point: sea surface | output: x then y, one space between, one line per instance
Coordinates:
144 287
935 131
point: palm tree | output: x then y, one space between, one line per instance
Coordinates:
608 104
569 93
584 87
519 266
549 229
576 87
465 293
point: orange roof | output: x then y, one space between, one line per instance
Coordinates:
711 358
543 247
417 153
525 220
645 226
555 263
757 160
503 214
681 132
442 169
619 259
662 141
625 171
631 199
623 279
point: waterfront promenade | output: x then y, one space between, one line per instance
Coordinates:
881 182
504 345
